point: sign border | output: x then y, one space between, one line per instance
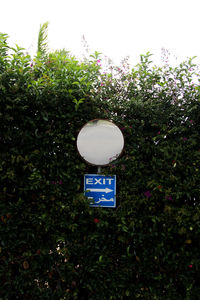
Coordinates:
101 206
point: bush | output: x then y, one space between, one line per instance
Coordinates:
53 245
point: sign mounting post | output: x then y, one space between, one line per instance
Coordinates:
100 142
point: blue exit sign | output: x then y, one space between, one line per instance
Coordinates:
100 189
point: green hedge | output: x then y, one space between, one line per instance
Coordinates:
52 244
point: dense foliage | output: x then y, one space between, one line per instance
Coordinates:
52 244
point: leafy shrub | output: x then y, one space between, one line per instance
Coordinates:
53 245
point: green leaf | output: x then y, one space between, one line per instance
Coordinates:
42 45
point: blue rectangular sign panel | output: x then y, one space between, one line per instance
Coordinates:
100 189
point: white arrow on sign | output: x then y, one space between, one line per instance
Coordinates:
106 190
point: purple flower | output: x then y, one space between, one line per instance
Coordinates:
190 266
57 182
185 139
96 220
169 198
98 62
147 194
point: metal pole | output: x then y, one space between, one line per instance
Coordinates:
99 170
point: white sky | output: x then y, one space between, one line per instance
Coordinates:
114 27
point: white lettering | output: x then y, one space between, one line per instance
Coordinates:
89 180
97 181
109 180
